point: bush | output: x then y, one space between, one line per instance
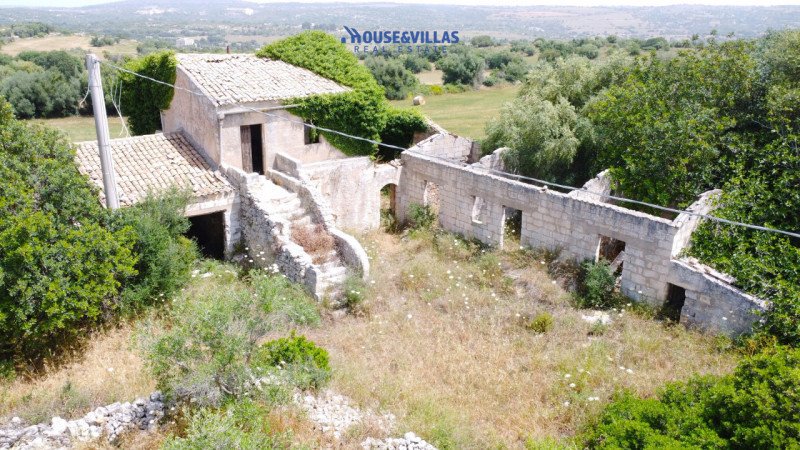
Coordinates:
60 265
753 408
542 323
360 112
41 94
596 287
202 350
165 255
420 216
143 99
355 294
482 41
401 124
212 429
306 363
416 63
462 67
391 74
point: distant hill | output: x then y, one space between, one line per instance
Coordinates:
169 18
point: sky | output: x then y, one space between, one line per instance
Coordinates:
72 3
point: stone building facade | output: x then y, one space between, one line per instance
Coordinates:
255 174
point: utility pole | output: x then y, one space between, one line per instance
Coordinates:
101 125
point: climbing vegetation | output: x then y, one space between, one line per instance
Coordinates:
144 99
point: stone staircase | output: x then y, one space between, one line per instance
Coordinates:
286 210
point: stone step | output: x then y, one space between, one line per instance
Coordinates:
334 275
302 221
331 264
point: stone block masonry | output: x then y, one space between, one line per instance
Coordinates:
474 203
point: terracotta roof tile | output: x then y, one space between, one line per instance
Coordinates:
243 78
155 163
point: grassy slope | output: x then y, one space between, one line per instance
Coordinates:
61 42
81 128
444 347
467 113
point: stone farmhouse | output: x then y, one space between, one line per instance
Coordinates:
262 186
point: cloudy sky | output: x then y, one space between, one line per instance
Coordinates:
70 3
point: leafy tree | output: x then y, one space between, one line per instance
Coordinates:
497 60
396 80
667 132
68 65
143 98
60 266
522 46
41 94
462 66
482 41
515 70
539 134
588 50
416 63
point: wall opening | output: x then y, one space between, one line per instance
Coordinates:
388 207
252 149
478 210
613 252
676 298
430 197
512 227
311 134
208 230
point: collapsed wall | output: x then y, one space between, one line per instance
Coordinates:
476 202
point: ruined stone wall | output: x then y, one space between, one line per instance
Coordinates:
549 219
475 203
352 188
712 304
266 237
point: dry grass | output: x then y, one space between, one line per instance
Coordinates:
315 241
446 349
67 42
109 371
81 128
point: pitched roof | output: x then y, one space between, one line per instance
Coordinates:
229 79
155 163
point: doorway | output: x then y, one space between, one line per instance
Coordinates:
208 231
252 148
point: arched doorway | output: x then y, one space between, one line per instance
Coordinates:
389 207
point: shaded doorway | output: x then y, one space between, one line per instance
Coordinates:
208 231
252 149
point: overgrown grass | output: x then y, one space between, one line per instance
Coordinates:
465 114
447 346
81 128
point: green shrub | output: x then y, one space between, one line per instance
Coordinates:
596 286
462 66
355 294
420 216
756 407
307 363
542 323
401 124
360 112
220 429
392 75
60 265
285 300
202 350
143 99
416 63
165 256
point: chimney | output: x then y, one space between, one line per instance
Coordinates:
228 49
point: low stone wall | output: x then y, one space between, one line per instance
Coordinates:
712 304
352 189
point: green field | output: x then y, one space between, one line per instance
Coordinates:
81 128
465 114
